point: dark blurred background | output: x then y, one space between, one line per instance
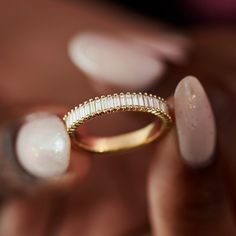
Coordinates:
185 12
165 10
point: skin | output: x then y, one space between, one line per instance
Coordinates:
125 194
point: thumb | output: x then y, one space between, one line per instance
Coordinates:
187 196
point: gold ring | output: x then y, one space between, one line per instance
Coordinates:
141 102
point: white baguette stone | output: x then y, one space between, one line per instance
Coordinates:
67 122
110 103
92 107
150 102
70 119
81 111
73 116
104 103
163 107
128 99
156 103
145 99
86 109
140 100
135 99
122 100
98 105
76 114
116 99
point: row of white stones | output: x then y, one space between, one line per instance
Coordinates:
114 102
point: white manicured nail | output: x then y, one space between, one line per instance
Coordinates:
163 48
114 61
43 146
195 122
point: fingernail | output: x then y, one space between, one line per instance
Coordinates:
164 48
195 122
114 61
43 146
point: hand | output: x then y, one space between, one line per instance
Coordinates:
108 196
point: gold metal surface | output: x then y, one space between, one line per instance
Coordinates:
113 103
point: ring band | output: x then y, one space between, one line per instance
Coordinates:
118 102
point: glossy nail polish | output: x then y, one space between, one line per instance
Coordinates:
114 61
195 122
43 146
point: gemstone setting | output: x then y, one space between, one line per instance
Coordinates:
111 103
